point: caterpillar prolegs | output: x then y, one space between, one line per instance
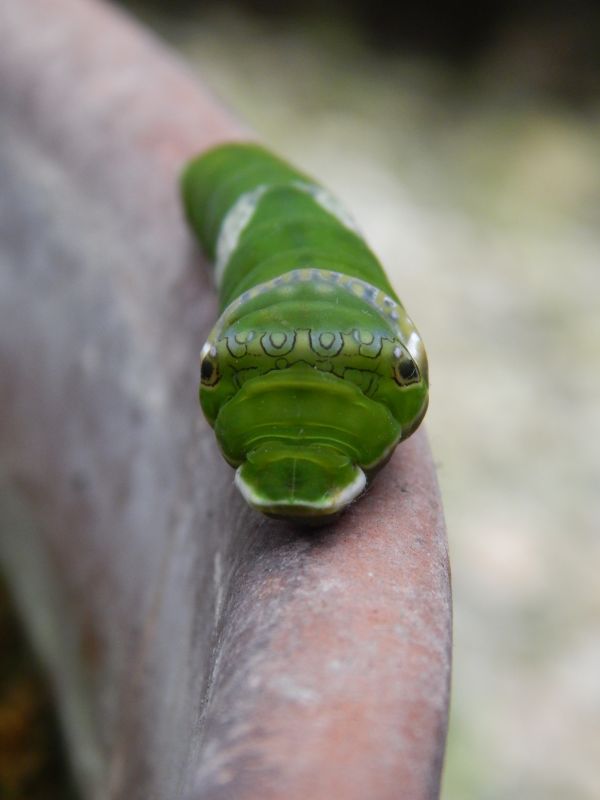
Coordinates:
314 372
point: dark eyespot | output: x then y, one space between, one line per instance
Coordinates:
206 370
209 367
405 369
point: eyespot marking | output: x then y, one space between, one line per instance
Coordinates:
408 370
278 343
405 369
326 343
206 371
369 343
236 347
209 366
376 298
363 337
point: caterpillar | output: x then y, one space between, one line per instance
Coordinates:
313 372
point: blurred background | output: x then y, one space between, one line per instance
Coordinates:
467 145
466 142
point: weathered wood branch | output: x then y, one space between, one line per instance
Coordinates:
197 649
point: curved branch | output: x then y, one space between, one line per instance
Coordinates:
197 649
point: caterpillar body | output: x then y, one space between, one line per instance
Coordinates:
313 372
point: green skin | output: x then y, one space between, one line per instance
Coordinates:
314 372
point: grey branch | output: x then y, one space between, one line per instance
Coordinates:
197 650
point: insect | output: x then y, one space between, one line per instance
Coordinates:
314 372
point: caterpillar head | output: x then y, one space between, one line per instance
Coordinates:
308 395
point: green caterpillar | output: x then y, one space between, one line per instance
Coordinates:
313 372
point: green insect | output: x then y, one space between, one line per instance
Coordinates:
314 372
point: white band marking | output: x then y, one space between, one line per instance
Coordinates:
329 203
232 227
241 212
